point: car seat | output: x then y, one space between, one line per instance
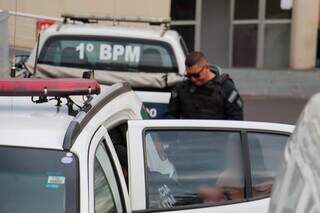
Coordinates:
70 57
151 58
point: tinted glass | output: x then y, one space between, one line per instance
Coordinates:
274 11
277 45
124 54
103 201
266 151
106 192
183 9
245 45
187 33
193 167
246 9
35 181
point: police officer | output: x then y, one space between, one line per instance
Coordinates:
205 94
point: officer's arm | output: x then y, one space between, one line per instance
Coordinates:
174 105
232 101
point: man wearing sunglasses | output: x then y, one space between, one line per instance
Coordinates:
205 94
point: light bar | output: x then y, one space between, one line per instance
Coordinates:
135 19
48 87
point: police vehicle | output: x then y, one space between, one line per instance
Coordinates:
151 59
64 148
297 186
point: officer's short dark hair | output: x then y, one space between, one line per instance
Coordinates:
194 58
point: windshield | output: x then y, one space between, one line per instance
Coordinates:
37 181
109 53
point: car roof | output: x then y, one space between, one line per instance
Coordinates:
119 31
27 124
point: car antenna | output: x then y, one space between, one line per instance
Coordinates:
36 57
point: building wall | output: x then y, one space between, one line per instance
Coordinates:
215 28
25 30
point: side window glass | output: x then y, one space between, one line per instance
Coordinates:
266 151
106 193
186 167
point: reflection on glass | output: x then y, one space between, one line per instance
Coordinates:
193 167
183 9
35 180
274 11
104 201
276 46
266 151
245 45
187 33
246 9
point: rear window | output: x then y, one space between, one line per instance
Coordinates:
109 53
35 180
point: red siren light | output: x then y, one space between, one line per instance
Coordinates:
48 87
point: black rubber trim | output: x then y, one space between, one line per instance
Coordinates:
83 118
246 165
117 176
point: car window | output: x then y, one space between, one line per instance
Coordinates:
35 180
266 151
186 167
109 53
106 193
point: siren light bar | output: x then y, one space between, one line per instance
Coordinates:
48 87
134 19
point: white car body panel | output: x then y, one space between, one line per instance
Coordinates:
26 124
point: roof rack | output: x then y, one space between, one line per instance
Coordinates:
116 19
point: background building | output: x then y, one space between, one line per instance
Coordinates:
250 33
232 33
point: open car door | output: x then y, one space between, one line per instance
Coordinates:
203 165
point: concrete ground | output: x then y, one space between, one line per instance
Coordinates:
273 109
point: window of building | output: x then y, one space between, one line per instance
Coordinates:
184 21
274 11
246 9
260 34
183 9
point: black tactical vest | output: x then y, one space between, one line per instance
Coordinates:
206 102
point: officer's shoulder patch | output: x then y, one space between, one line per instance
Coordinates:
233 96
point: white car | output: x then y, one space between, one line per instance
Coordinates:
150 59
100 156
297 186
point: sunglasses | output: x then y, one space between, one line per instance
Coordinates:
195 75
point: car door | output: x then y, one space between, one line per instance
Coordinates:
107 190
201 165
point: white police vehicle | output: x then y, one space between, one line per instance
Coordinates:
149 59
97 155
297 186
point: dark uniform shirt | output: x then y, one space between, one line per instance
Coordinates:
217 99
